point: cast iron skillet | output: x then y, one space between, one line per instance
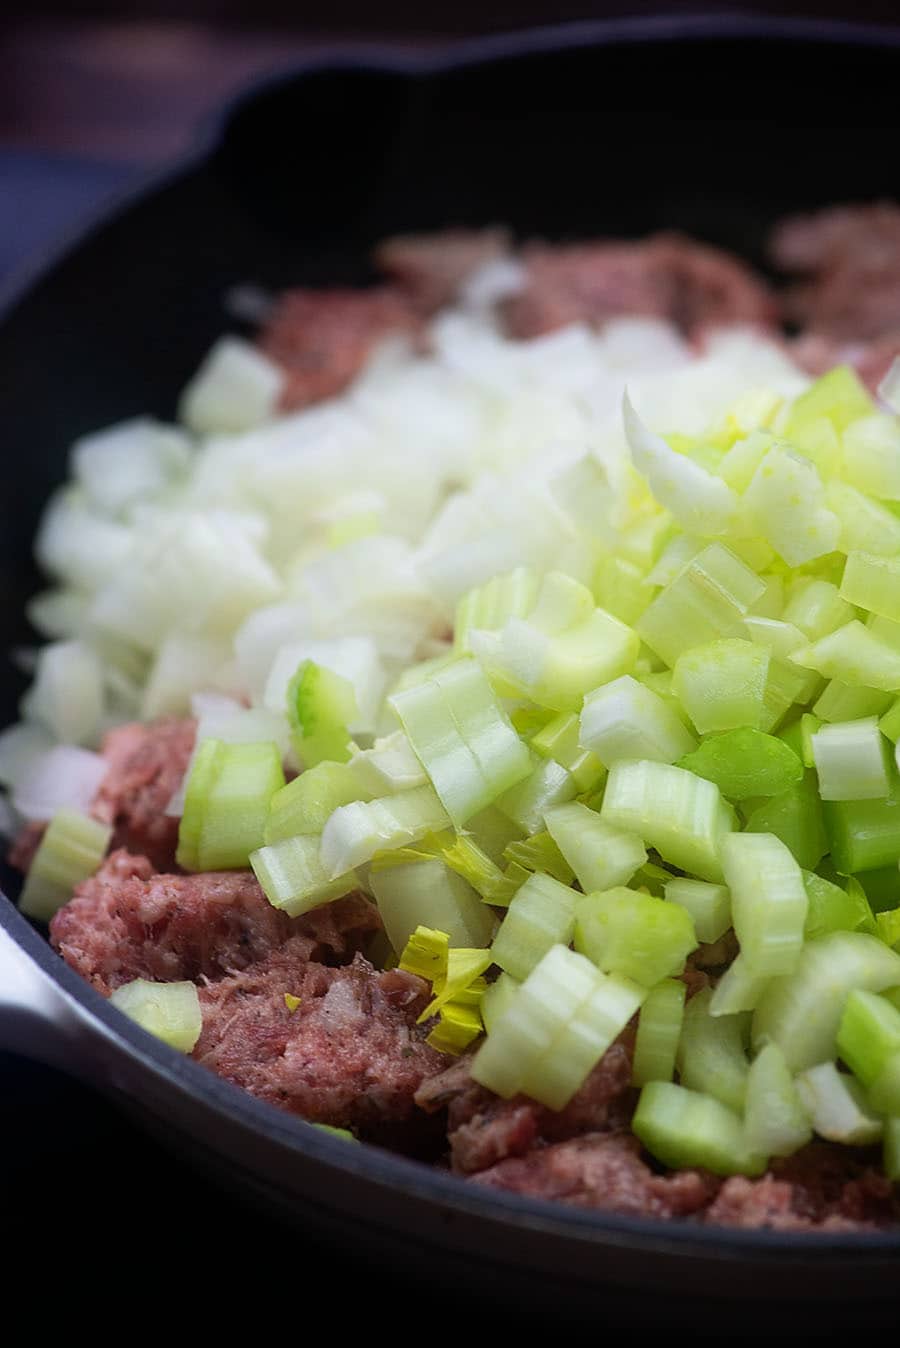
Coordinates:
714 126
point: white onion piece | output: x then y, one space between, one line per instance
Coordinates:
63 776
236 388
21 745
67 694
130 462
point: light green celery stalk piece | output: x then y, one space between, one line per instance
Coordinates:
869 1036
838 702
815 608
658 1032
320 706
687 1129
796 817
680 815
622 589
705 601
306 804
293 878
709 906
837 1106
488 606
711 1056
832 908
872 456
625 719
559 739
625 932
775 1121
739 989
540 916
539 853
745 763
838 395
851 760
170 1011
865 524
70 851
864 835
600 856
428 893
768 901
873 583
785 502
722 685
528 801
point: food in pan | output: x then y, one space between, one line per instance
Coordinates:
473 727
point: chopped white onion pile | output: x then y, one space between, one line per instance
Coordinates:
210 560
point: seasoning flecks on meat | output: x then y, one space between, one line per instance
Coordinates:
323 338
350 1054
433 268
126 922
602 1171
695 286
146 765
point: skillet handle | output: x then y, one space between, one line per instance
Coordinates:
37 1020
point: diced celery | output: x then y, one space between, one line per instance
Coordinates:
831 908
625 719
816 608
768 901
864 834
528 801
557 670
658 1032
872 456
496 999
306 804
876 891
429 892
809 724
559 740
722 685
462 982
701 503
851 760
293 878
838 395
390 765
854 656
541 915
873 583
488 606
744 763
868 1037
70 851
709 906
561 602
355 832
775 1121
739 989
457 1027
883 1094
837 1106
622 588
711 1056
714 591
501 756
539 853
467 859
601 857
493 831
425 954
889 725
634 934
226 807
839 702
785 503
865 524
320 706
795 817
801 1013
170 1011
684 1129
682 816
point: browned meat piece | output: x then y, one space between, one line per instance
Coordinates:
851 258
350 1054
605 1171
432 268
822 1188
484 1130
816 353
126 922
323 338
146 765
693 285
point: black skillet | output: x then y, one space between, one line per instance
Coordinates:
715 126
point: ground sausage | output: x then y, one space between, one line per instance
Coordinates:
323 338
350 1054
432 268
126 922
146 767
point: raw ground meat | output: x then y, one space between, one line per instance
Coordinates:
126 922
432 268
323 338
146 766
349 1055
693 285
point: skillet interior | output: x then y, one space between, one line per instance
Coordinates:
619 132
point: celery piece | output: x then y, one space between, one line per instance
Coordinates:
306 804
501 756
801 1013
709 906
425 954
839 702
71 849
837 1106
493 831
864 834
883 1093
557 670
873 583
838 395
722 684
355 833
559 739
525 1030
458 1026
527 802
685 1129
851 760
540 853
429 893
768 901
621 587
745 762
866 525
601 857
775 1121
872 456
227 805
293 878
832 908
713 592
855 656
795 816
561 603
624 932
889 725
743 458
739 989
625 719
497 998
390 765
701 503
682 816
880 889
320 706
541 915
650 878
577 1048
343 1133
201 775
711 1056
868 1035
488 606
462 982
467 859
658 1032
785 503
887 927
891 1155
809 724
170 1011
643 541
816 608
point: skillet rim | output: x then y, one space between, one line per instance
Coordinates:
675 1238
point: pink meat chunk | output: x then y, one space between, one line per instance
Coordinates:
350 1055
693 285
146 766
126 922
323 338
433 268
